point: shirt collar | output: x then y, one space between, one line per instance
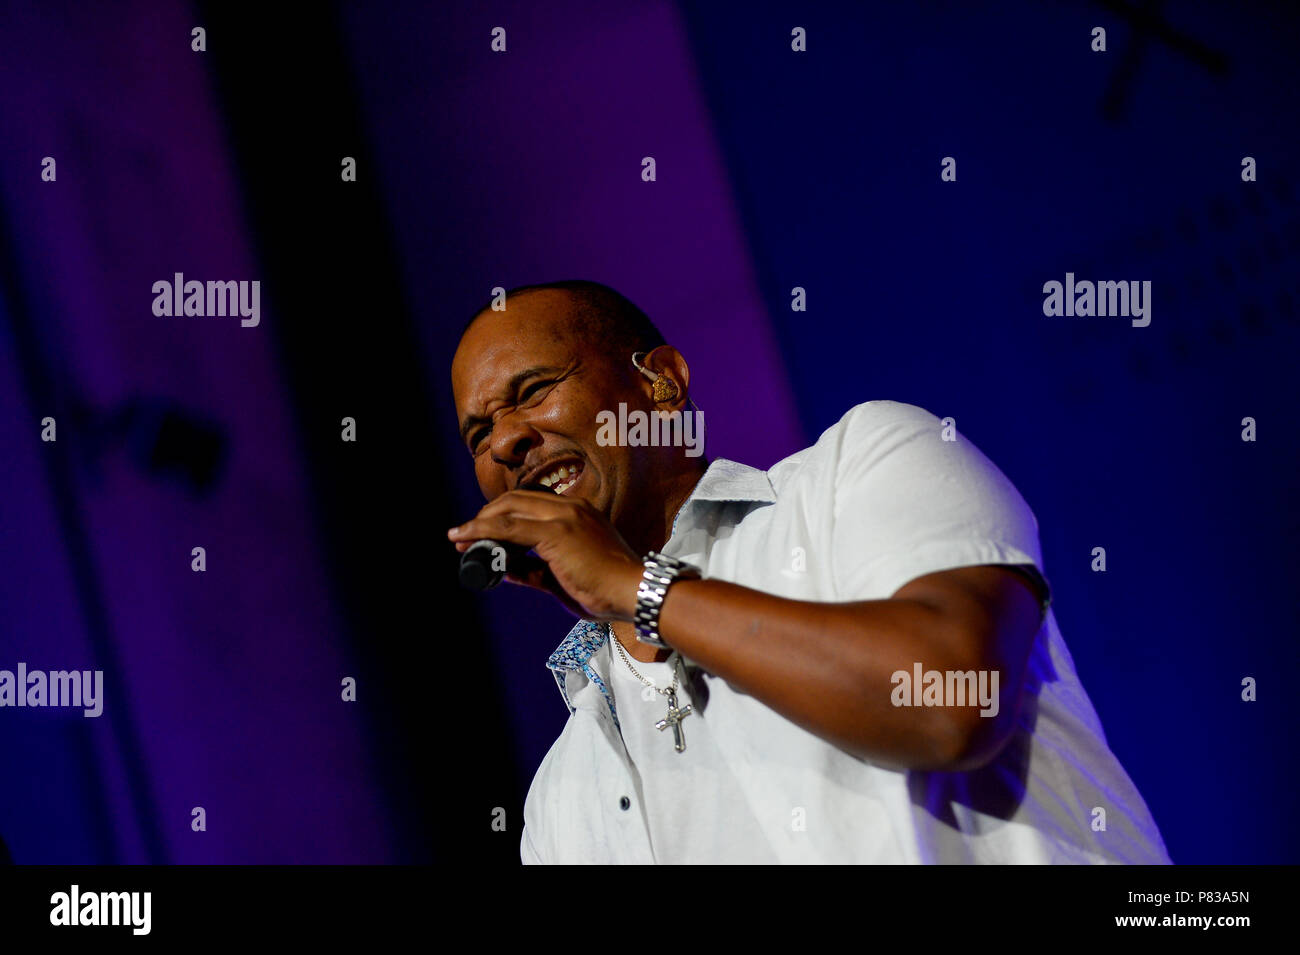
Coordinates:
723 481
726 480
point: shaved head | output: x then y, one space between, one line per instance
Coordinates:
594 312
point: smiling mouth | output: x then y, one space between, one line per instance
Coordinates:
562 477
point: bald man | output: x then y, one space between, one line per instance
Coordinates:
850 657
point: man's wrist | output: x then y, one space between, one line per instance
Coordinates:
661 572
627 610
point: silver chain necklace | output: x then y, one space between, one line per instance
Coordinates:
675 714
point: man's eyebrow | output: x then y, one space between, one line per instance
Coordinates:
511 386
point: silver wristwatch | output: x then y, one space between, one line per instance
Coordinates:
660 571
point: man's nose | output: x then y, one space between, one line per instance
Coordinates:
512 438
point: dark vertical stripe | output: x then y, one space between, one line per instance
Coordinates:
333 300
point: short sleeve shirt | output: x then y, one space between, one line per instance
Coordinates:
885 495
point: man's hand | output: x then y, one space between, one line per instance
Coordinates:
585 563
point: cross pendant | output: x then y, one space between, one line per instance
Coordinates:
674 719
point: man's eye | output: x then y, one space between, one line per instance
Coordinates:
533 388
477 437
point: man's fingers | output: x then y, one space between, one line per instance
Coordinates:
513 528
537 504
512 506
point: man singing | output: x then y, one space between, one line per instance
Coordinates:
847 658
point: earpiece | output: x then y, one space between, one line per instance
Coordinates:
665 389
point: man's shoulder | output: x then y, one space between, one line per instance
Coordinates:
854 427
880 413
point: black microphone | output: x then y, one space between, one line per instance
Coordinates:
480 564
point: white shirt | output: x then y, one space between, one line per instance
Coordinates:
881 499
665 774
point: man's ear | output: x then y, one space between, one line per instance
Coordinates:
672 374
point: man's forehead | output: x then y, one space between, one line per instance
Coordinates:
500 345
542 312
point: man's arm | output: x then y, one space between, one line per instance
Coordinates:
827 666
824 666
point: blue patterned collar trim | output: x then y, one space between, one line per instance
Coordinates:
586 637
575 653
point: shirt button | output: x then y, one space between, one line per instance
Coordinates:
624 802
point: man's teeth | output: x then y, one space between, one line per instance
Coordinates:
565 474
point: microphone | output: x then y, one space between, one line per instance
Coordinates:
480 566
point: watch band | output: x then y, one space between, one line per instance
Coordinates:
660 573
